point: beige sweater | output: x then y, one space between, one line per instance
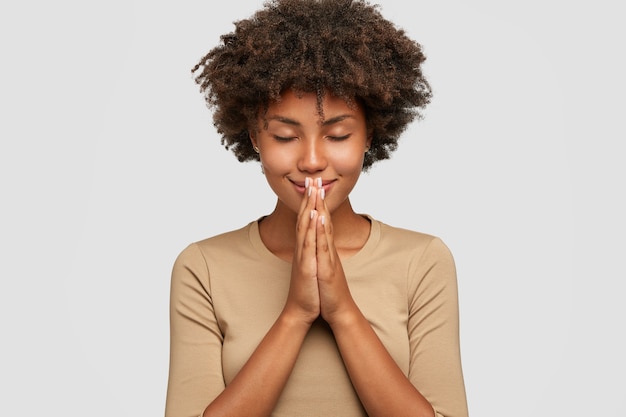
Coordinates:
228 290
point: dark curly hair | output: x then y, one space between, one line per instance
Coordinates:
344 47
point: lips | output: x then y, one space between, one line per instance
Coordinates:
327 185
300 185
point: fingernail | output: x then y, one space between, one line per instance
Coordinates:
309 191
307 182
319 182
322 193
312 213
322 219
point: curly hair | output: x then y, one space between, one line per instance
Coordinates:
343 47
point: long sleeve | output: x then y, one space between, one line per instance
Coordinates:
227 291
433 327
195 372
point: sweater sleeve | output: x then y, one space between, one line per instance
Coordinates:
195 370
433 326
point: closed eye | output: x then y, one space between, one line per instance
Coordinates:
339 138
284 138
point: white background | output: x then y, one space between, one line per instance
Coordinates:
109 166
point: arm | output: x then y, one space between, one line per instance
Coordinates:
196 382
381 385
195 372
433 327
434 372
257 387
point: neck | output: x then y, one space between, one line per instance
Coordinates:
278 230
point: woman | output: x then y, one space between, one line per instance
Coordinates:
314 309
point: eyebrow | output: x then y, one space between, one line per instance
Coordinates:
327 122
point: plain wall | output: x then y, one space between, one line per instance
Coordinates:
110 166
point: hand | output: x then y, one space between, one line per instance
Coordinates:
336 302
304 299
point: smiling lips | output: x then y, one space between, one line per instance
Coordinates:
300 185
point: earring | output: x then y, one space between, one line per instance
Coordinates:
256 149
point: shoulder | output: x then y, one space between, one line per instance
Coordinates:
396 232
233 237
402 240
215 246
427 260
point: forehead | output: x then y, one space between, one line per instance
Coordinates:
307 107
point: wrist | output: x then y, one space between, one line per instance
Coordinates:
295 320
345 318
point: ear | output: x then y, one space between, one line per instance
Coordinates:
253 141
368 143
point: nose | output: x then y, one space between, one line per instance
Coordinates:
312 157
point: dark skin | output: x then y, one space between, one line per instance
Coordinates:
312 166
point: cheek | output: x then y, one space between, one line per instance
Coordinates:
277 162
348 162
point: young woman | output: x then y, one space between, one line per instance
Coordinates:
315 309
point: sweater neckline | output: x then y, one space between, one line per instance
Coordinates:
371 242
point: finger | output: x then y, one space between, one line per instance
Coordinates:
306 195
309 244
305 263
304 217
306 199
321 239
320 206
325 225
